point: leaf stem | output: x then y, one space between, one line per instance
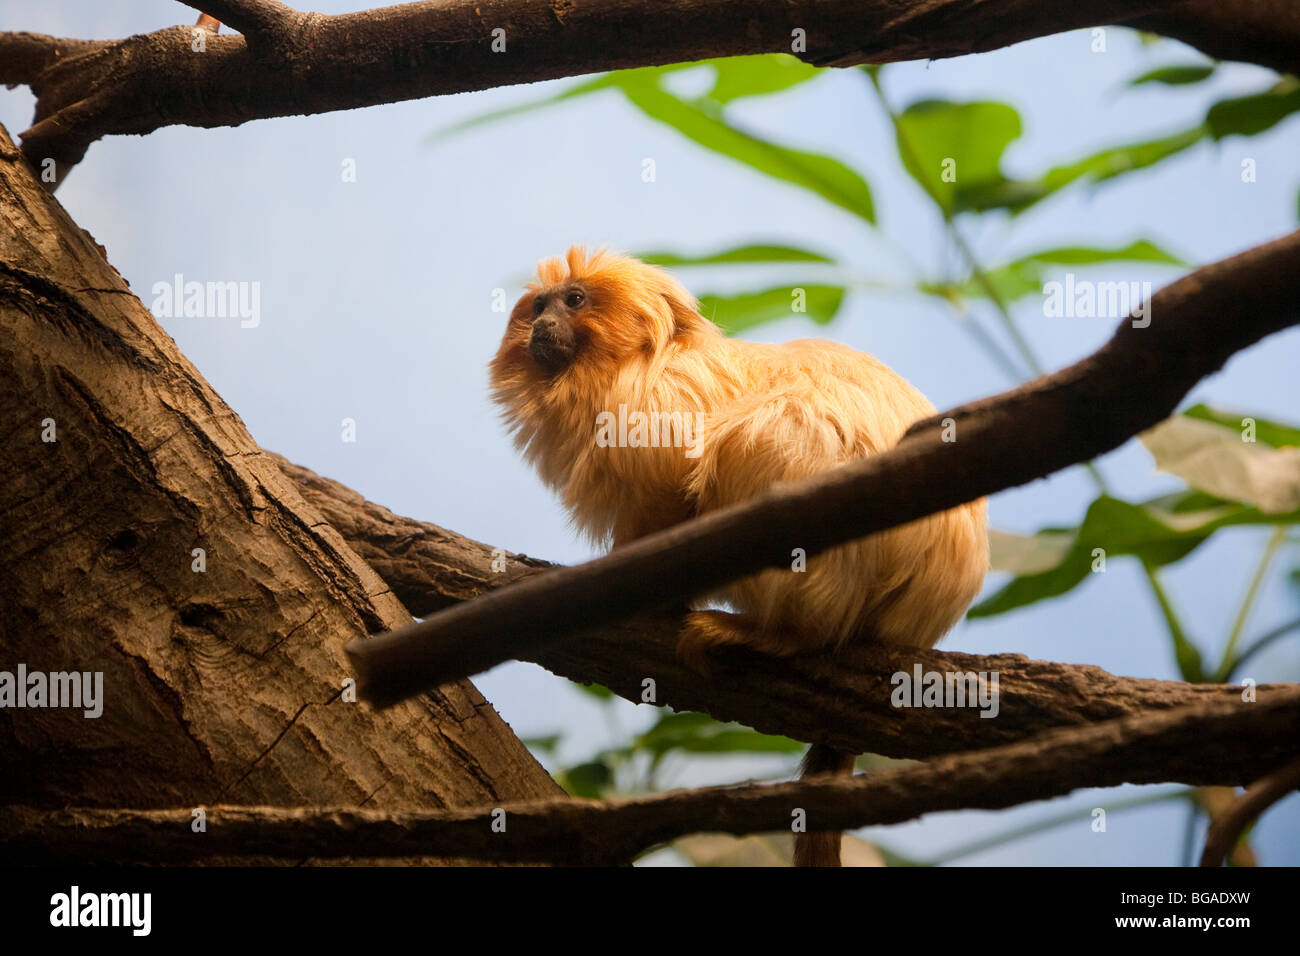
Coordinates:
1228 664
1260 644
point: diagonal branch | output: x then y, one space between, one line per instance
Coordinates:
1228 827
844 702
248 16
1219 743
1074 415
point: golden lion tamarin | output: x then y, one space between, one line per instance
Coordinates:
602 339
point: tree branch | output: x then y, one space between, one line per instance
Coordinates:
845 702
1130 384
1268 34
265 24
1228 827
1194 745
25 56
446 46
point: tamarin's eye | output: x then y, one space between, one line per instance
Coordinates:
539 305
574 299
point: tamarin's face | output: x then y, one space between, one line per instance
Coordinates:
594 312
550 320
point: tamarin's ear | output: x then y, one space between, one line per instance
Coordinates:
685 312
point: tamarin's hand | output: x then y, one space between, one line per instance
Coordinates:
641 414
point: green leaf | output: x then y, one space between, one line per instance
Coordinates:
1112 162
735 313
827 177
1024 276
1249 115
698 733
1010 282
1141 250
674 726
1019 195
1176 75
1268 432
587 779
764 253
960 142
1217 460
736 77
603 82
740 740
545 744
599 691
1158 532
743 76
1245 115
1025 554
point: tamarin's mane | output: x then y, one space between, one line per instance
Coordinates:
643 344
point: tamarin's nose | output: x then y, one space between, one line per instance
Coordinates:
551 343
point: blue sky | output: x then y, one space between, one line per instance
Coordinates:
376 306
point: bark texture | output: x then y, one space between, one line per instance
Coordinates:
220 686
293 63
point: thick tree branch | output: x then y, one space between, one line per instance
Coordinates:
1268 33
845 702
1219 743
414 50
1074 415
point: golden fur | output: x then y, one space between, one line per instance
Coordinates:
770 413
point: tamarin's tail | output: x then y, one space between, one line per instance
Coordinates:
821 847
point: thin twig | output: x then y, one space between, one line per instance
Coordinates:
1264 641
259 20
1228 827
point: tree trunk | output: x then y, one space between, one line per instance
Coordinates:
220 685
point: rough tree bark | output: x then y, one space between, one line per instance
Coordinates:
220 686
293 62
